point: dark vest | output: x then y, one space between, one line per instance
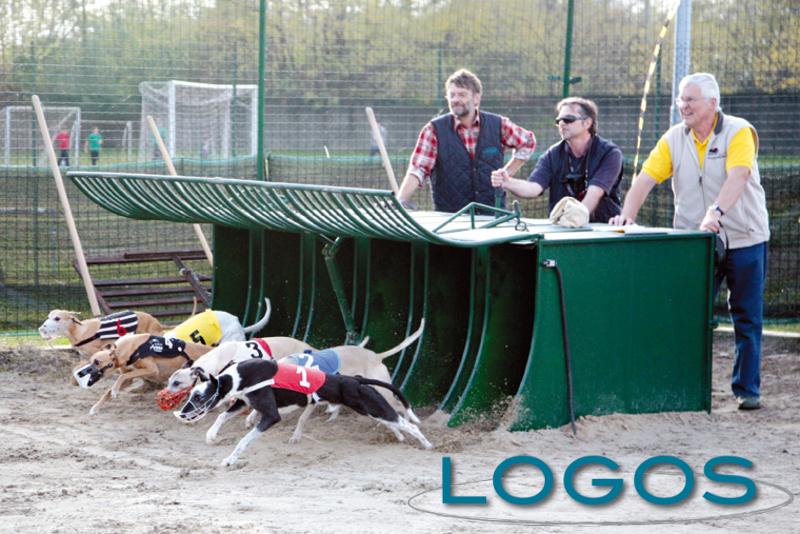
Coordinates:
457 179
560 187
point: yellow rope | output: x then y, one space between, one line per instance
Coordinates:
650 70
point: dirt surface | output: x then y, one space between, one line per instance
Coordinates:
134 468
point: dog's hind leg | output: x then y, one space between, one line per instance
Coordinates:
334 410
211 433
298 430
399 435
414 430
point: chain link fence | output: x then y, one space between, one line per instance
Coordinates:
325 62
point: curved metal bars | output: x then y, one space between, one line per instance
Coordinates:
255 205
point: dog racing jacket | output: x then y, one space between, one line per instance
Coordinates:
326 360
203 328
304 380
114 326
159 347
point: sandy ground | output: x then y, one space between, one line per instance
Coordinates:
134 468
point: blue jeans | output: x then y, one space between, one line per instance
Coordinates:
745 270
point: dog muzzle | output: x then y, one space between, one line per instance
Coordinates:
45 333
169 400
88 375
193 411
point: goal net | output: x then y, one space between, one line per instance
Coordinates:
199 120
21 141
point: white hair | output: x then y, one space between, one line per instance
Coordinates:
706 82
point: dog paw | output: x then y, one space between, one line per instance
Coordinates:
93 411
211 438
294 439
227 462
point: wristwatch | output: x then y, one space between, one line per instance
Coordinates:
716 207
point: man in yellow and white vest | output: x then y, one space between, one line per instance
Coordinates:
713 161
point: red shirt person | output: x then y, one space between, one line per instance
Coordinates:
62 142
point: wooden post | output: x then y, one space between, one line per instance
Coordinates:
62 195
171 168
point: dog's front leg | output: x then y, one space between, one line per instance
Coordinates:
211 434
104 398
262 401
298 430
148 371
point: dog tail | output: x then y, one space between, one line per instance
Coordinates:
386 385
262 322
405 343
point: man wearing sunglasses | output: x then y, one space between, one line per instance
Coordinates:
712 160
582 165
460 150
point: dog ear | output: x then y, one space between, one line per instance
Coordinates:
200 374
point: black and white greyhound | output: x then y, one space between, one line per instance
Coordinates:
265 386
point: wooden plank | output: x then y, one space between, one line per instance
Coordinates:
147 281
144 291
136 304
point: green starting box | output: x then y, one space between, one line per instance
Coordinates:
527 324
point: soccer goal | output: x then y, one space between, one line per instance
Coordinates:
199 120
21 141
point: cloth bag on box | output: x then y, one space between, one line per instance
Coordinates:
569 212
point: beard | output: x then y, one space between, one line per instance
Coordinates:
460 110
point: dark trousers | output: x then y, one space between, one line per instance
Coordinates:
745 270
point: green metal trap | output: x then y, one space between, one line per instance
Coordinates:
343 263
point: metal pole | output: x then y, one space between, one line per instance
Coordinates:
682 52
565 80
33 118
233 103
262 57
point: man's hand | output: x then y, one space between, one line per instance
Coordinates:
621 220
500 177
711 221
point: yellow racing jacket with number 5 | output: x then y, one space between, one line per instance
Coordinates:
202 328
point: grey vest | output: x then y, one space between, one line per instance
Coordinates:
744 224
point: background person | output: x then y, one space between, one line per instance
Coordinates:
62 143
459 151
374 150
712 159
93 143
582 165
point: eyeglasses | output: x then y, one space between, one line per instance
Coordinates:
680 102
568 119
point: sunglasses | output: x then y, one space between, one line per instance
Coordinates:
569 119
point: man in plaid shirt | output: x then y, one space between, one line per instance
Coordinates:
460 151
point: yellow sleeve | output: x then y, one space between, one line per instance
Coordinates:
741 150
659 163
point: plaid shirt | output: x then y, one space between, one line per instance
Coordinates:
424 157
